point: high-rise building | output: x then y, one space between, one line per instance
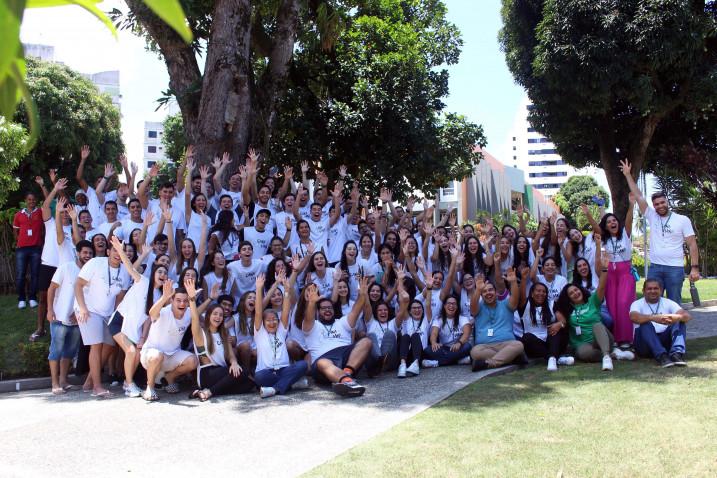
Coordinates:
535 154
153 147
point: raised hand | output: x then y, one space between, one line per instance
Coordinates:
337 273
342 171
167 215
146 249
189 285
460 259
133 168
288 224
116 243
52 173
452 219
189 154
214 293
480 283
109 170
288 172
605 260
167 289
123 160
148 218
385 195
510 275
204 172
226 159
40 182
539 253
313 294
280 277
304 167
260 280
363 286
154 170
60 184
72 211
216 163
625 167
295 262
84 152
338 190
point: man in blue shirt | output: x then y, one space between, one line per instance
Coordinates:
495 344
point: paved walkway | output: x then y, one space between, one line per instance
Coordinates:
73 435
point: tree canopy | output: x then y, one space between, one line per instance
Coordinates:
334 82
13 148
604 75
72 113
576 191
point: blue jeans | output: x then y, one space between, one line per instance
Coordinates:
281 379
24 257
64 341
605 317
445 356
649 343
670 278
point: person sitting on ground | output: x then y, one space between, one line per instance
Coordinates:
660 326
329 340
449 337
414 334
579 309
535 326
213 351
382 330
161 352
495 344
275 374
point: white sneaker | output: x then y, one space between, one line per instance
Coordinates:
266 392
33 303
429 363
22 304
300 384
402 370
465 360
606 363
132 390
552 364
413 369
567 360
620 354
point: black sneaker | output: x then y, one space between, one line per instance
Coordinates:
678 359
479 365
665 361
348 388
377 366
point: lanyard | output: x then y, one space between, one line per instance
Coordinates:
664 226
491 311
329 330
274 343
109 278
416 327
615 245
656 310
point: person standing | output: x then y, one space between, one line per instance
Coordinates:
668 232
27 228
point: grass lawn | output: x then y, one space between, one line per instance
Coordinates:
639 420
15 328
706 287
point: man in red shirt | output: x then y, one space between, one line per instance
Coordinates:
28 229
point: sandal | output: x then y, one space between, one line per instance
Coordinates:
67 388
104 394
58 391
37 335
150 395
172 388
194 394
205 395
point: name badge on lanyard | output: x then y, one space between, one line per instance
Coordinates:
578 330
490 333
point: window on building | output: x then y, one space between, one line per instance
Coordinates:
449 190
538 140
151 134
150 164
151 149
530 107
513 138
542 151
557 162
531 130
548 175
515 148
546 186
515 158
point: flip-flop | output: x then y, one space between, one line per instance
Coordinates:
36 335
105 394
58 391
67 388
204 395
194 394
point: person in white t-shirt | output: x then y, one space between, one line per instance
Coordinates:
100 286
64 333
275 374
329 340
414 334
449 340
161 352
550 277
660 326
669 232
245 269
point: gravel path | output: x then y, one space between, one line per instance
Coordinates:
76 435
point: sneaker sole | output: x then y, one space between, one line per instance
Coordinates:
680 364
668 365
346 391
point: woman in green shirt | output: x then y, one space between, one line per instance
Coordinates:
580 310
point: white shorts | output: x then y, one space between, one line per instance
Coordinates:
170 362
95 331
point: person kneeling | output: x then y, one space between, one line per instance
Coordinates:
329 340
274 373
661 326
162 351
495 343
213 350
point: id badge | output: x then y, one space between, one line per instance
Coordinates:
29 233
490 332
578 330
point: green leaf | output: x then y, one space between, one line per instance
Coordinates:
89 5
171 12
10 19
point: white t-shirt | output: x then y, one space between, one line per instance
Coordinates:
271 352
379 329
523 324
50 249
280 220
319 232
322 338
667 235
177 218
259 240
212 278
448 334
166 333
337 238
236 197
663 306
194 229
104 283
65 277
241 336
229 246
245 276
325 284
554 287
133 308
619 250
125 230
421 327
436 302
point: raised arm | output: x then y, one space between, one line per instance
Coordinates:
59 233
336 198
448 280
106 177
41 182
286 184
259 307
310 315
188 186
514 298
59 186
523 293
79 174
475 297
335 289
626 168
72 211
593 223
629 215
605 263
117 245
197 334
304 178
141 192
534 266
358 305
167 292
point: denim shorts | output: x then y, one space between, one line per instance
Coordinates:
64 340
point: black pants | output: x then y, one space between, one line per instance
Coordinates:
553 347
411 345
220 382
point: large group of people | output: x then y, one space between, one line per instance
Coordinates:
241 282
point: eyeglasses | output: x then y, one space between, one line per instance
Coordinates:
327 307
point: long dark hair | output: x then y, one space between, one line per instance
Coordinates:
518 257
468 266
564 304
444 316
271 273
224 225
149 302
603 227
546 316
392 273
209 267
577 280
180 258
222 333
241 313
396 249
344 260
193 202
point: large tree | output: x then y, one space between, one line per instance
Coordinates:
13 148
357 82
72 113
604 75
576 191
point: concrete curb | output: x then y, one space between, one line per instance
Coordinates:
37 383
703 303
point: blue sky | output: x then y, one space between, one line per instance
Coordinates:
480 85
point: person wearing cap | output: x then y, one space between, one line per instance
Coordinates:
669 232
259 234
